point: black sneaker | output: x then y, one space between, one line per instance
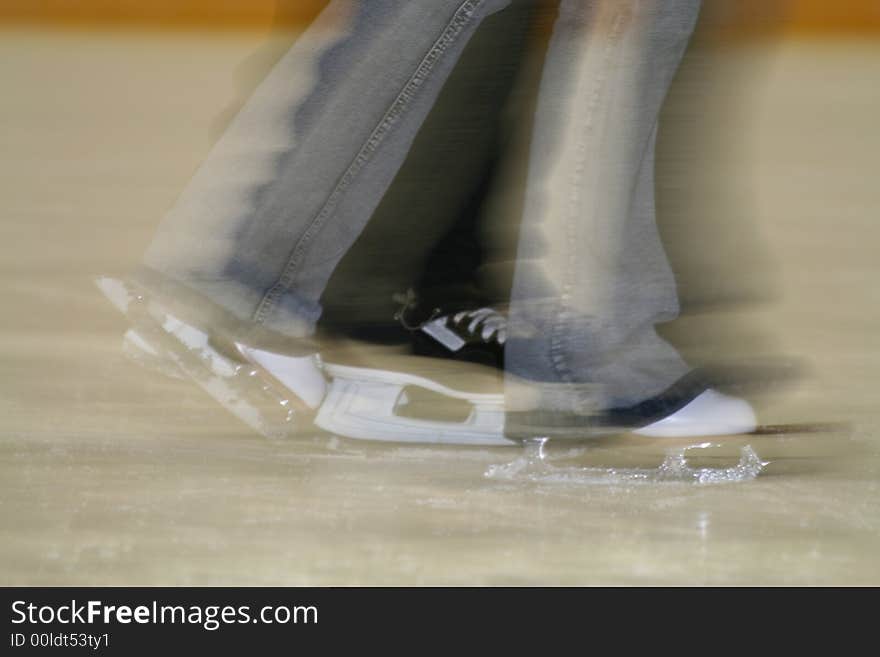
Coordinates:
474 335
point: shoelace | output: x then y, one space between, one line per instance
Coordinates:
493 323
490 323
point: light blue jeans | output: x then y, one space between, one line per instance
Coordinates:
299 172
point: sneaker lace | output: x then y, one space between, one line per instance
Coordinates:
486 322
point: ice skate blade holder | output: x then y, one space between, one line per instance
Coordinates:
370 404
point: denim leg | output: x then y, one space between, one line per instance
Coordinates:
428 231
301 169
592 278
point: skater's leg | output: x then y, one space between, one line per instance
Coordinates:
425 234
302 168
592 278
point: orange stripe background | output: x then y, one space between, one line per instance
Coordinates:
822 16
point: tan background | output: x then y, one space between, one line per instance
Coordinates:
113 475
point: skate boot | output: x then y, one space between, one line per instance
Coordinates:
435 381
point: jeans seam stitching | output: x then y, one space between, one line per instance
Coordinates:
391 117
558 330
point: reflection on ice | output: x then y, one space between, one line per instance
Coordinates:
533 466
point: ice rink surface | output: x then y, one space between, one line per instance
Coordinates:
110 475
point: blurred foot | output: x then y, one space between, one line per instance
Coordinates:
442 384
274 394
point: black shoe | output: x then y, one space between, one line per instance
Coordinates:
473 335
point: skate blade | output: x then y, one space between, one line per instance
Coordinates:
801 428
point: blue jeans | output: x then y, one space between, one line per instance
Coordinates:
300 171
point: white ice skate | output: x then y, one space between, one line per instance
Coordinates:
279 394
375 404
442 383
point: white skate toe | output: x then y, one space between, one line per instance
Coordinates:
301 375
710 414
